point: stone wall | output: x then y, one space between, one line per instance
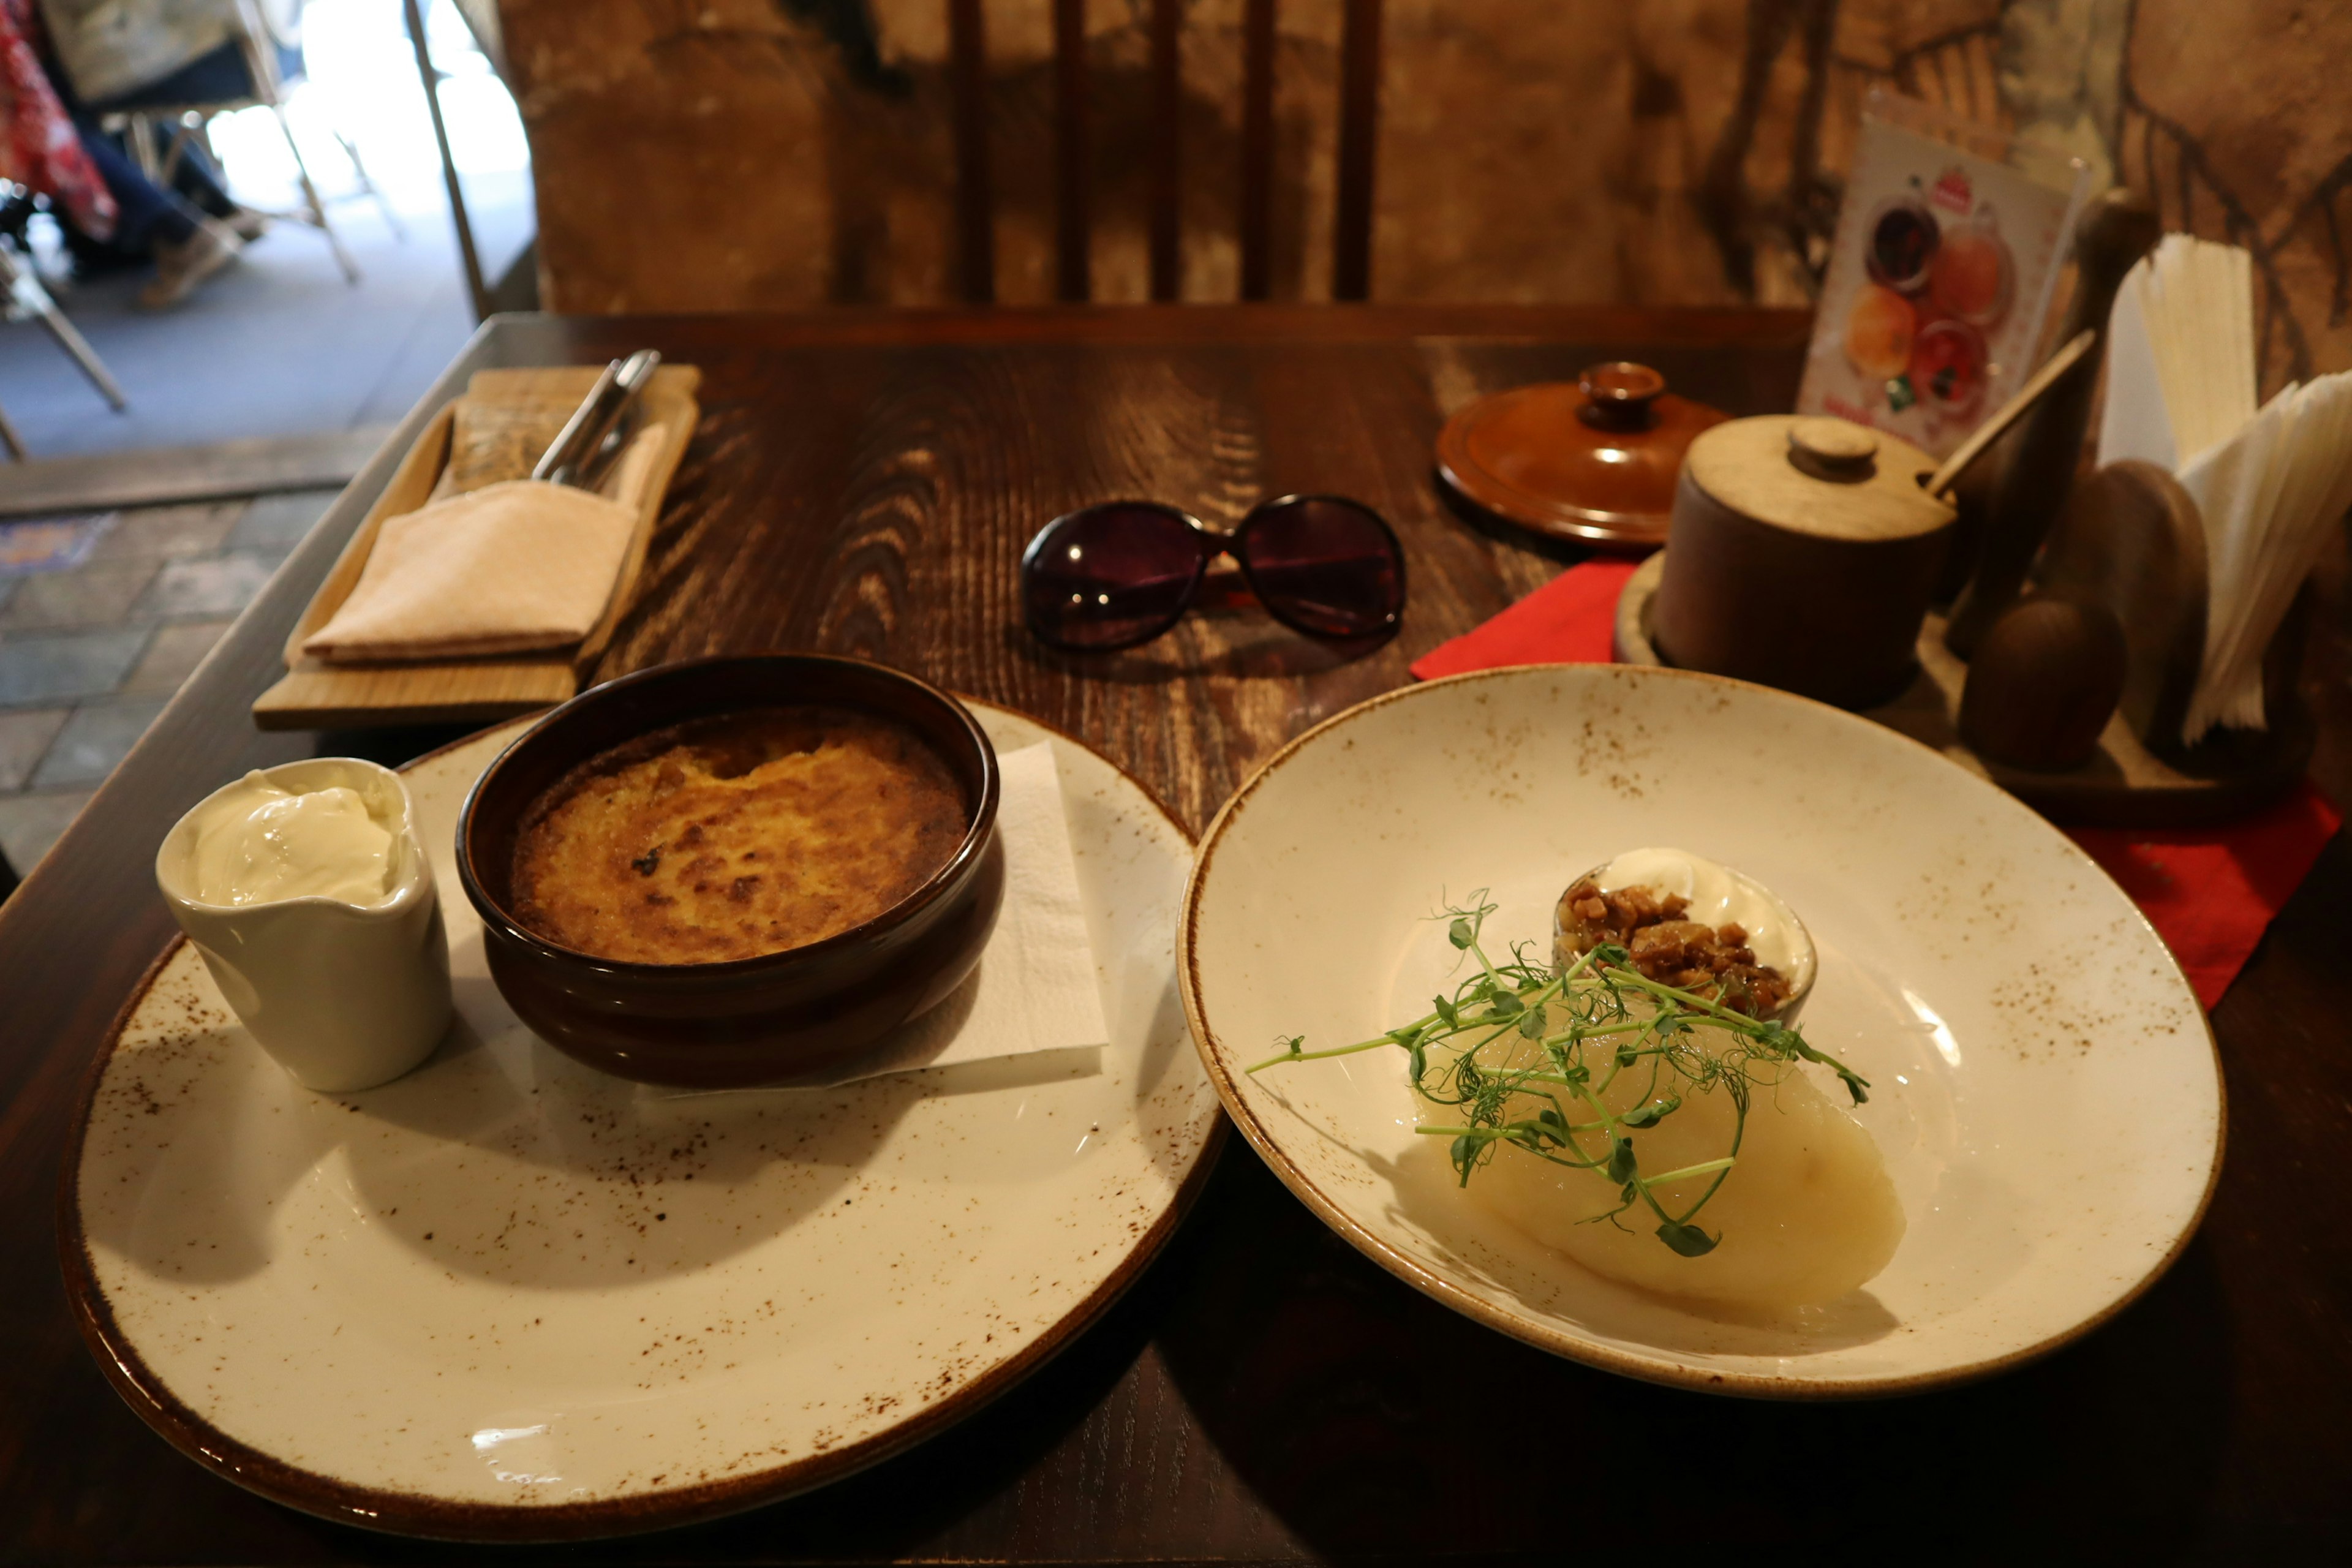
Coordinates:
723 154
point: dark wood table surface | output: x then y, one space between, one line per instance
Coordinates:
864 484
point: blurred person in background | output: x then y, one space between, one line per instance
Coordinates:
104 57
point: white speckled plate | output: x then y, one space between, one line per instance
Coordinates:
2047 1094
508 1297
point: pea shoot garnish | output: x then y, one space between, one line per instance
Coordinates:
1531 1052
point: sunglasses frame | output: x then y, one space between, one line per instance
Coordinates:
1213 542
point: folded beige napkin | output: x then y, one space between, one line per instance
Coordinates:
514 567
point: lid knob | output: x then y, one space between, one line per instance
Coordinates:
1833 449
1617 393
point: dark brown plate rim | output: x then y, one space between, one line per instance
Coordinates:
419 1514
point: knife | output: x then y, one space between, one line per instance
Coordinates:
590 438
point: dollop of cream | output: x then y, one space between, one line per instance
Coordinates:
258 844
1719 896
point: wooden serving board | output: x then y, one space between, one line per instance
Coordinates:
315 695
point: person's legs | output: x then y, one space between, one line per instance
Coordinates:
146 217
188 247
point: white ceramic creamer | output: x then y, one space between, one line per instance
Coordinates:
308 894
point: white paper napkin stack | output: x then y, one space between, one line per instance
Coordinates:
2270 481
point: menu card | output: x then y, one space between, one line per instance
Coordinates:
1940 276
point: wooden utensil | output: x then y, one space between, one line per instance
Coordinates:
2007 414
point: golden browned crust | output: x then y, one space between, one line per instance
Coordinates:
738 836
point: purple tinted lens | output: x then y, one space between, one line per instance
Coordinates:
1327 566
1106 576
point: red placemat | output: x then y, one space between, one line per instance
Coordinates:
2210 893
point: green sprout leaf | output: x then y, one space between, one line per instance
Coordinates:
1622 1166
1686 1239
1651 1114
1462 934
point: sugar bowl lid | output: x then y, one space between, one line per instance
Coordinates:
1821 477
1593 460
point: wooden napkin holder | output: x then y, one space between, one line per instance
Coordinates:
2129 539
317 695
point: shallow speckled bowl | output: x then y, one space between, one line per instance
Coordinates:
2046 1091
807 1014
507 1297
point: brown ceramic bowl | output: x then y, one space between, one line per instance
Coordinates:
807 1015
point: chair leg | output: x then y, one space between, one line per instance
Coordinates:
174 154
391 218
318 214
27 298
16 453
69 339
138 131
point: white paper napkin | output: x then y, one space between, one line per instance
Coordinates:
2270 483
1035 988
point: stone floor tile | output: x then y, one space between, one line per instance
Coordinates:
280 520
98 594
25 735
48 669
209 586
94 739
29 823
173 656
154 531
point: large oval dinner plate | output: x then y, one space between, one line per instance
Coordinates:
509 1297
2046 1091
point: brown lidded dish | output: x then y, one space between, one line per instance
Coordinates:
803 1013
1591 461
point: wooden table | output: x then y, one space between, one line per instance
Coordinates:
864 485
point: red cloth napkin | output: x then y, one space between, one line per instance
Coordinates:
1566 621
2209 893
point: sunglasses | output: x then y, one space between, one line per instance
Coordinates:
1122 573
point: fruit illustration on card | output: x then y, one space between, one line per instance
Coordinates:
1904 239
1878 333
1971 277
1940 276
1948 366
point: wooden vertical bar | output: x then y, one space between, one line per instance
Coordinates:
975 199
1072 229
1360 118
476 289
1166 150
1257 148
